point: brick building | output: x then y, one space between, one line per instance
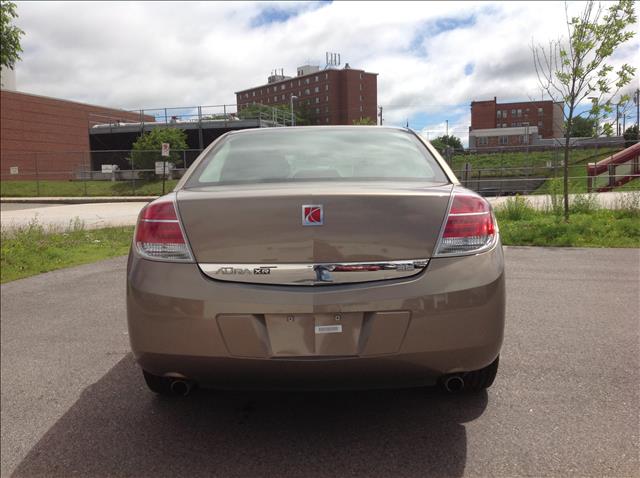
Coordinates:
496 124
49 136
327 97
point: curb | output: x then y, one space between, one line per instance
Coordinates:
76 200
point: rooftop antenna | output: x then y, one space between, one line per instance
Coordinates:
332 59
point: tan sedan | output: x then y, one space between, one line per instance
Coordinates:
317 257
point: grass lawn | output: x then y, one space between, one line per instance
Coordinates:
33 250
61 188
588 226
534 163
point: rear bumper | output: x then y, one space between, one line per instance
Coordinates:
405 332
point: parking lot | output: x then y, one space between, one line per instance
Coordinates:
565 403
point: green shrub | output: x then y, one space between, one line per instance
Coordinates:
516 209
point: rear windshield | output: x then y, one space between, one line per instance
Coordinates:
317 154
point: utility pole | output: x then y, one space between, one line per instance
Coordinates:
636 99
293 116
617 120
380 115
447 128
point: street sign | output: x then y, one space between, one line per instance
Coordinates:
165 149
110 168
13 170
163 167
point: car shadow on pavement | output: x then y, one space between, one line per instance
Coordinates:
118 428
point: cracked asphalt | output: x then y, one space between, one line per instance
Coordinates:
566 400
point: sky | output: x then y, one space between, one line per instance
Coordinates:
432 58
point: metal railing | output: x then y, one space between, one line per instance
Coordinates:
226 114
615 170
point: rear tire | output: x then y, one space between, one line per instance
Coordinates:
476 380
159 385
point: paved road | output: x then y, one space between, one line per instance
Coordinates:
14 206
105 214
93 216
566 401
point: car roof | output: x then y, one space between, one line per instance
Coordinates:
317 128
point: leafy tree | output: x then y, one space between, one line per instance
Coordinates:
576 69
582 127
442 142
9 35
366 121
148 147
631 136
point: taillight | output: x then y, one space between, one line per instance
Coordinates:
158 233
470 226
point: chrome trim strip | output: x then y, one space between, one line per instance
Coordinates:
314 274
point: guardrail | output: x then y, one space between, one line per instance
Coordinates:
614 171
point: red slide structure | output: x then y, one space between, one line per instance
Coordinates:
621 168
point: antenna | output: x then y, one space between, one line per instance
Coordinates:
332 59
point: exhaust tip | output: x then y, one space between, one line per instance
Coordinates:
181 387
454 383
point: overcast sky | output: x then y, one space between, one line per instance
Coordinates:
433 58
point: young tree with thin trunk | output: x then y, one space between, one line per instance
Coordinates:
573 70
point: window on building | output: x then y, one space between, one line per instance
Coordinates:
253 93
326 98
504 125
307 91
499 114
316 89
539 124
317 99
306 80
246 95
482 140
282 87
326 76
291 85
326 120
326 109
540 111
521 139
504 139
326 87
360 97
360 86
513 112
504 113
360 75
317 110
316 78
519 113
360 108
275 98
298 82
283 97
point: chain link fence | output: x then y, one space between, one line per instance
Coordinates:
508 171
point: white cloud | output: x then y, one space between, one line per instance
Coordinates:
156 54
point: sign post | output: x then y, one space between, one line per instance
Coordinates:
164 154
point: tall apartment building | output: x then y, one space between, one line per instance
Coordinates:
496 124
328 97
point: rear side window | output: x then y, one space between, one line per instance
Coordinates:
317 154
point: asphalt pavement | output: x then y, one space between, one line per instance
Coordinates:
566 400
